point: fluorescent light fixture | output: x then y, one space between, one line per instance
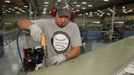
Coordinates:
16 7
74 11
91 12
105 0
77 5
13 9
7 1
8 11
108 14
43 12
80 15
86 13
44 9
119 22
46 2
45 5
130 10
3 12
96 22
95 12
83 7
98 10
77 10
84 2
123 7
25 6
17 12
74 2
90 5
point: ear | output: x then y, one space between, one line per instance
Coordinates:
73 15
53 11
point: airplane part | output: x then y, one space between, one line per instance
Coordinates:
102 61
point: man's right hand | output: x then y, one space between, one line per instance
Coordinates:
25 24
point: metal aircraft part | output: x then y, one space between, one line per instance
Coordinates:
102 61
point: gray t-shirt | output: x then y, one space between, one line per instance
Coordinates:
59 40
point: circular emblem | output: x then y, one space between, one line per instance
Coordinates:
60 41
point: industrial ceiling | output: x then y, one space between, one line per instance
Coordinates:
90 7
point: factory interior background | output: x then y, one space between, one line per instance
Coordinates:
106 27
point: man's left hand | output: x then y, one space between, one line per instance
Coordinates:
58 59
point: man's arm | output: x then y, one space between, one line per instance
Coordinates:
24 24
74 52
35 30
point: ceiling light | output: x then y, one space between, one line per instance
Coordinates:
90 5
96 22
95 12
25 6
17 12
86 13
83 7
45 5
74 11
9 11
3 12
108 14
43 12
16 7
6 10
125 12
80 15
13 9
74 2
7 1
84 2
130 10
46 2
77 5
105 0
123 7
77 10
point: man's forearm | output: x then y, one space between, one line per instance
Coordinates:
74 52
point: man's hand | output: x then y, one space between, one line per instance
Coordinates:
35 32
58 59
24 24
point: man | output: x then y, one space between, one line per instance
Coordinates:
62 36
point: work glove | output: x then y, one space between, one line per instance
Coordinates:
35 32
58 59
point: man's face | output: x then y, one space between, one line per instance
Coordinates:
62 21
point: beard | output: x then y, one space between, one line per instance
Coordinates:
61 26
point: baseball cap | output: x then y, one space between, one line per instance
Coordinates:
64 9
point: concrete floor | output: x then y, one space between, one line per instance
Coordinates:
99 59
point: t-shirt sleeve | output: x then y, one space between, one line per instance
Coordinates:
39 22
76 38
